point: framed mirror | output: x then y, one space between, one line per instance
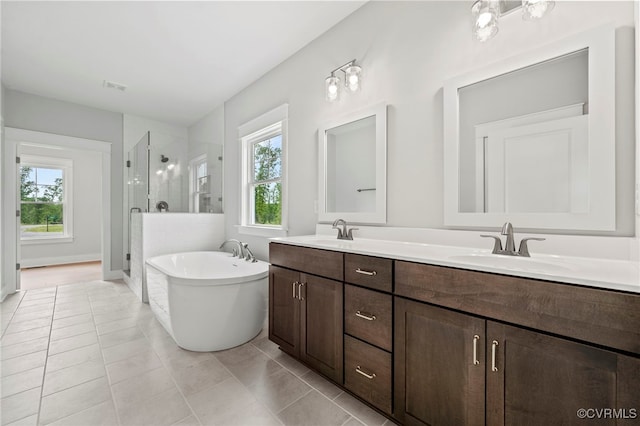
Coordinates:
353 167
531 140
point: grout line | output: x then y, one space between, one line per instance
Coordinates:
46 360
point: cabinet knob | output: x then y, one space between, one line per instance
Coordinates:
365 374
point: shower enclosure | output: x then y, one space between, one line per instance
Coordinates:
155 179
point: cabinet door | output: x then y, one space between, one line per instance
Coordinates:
539 379
284 309
321 333
439 366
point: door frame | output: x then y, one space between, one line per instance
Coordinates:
13 138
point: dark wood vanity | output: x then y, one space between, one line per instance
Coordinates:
433 345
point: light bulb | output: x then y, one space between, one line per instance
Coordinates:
536 9
331 88
171 166
485 19
352 75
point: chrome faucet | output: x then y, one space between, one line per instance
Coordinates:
509 246
344 233
239 251
249 257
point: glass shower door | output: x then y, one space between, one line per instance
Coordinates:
138 183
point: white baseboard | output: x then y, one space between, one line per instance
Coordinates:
60 260
113 275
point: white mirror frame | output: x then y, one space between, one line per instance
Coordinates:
380 215
601 215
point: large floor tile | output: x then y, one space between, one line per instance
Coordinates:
164 409
74 400
133 366
313 409
26 421
226 403
19 406
74 320
103 414
45 308
279 390
125 350
74 357
23 381
56 381
193 375
112 326
23 363
358 410
21 326
322 385
188 421
24 348
73 342
24 336
141 387
120 336
72 330
19 317
253 370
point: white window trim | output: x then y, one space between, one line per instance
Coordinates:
246 133
66 165
193 185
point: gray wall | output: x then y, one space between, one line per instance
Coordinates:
37 113
407 50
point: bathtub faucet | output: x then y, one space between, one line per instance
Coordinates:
239 251
249 254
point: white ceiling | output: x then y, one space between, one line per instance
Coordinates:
179 60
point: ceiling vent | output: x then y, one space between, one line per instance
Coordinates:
113 85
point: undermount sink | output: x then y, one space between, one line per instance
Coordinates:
525 264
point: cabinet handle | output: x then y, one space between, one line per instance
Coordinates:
475 349
300 290
363 272
365 315
293 287
367 375
494 345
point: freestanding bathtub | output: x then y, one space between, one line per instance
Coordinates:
208 300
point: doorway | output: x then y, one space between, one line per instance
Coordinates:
19 140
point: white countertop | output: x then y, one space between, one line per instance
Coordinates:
600 273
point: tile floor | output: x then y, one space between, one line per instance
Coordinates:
51 276
91 354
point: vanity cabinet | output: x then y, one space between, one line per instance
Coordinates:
471 368
434 345
437 381
306 310
368 328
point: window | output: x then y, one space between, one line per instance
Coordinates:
45 197
264 174
199 183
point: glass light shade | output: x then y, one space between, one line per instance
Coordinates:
352 78
331 88
536 9
485 19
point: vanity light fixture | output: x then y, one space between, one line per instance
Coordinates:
485 14
352 80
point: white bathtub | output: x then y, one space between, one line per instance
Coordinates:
208 300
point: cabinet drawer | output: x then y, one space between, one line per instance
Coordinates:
367 315
367 372
372 272
324 263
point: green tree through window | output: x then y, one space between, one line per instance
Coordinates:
41 200
267 184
